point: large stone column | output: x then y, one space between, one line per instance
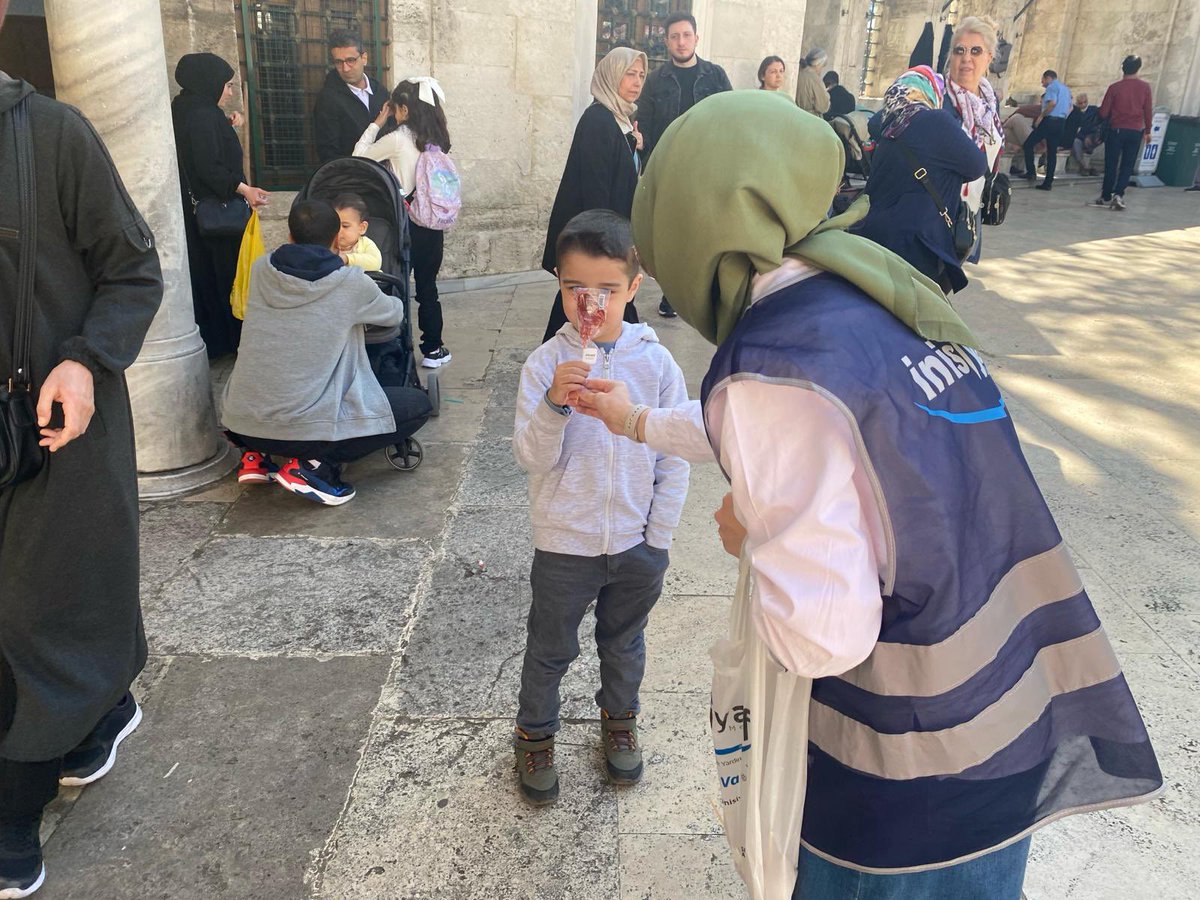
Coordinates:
109 61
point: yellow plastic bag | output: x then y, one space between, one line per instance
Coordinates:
252 248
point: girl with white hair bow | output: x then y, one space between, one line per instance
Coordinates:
416 106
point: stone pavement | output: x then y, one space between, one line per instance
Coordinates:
330 692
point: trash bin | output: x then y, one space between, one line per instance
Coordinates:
1181 151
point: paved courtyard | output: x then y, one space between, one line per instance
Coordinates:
330 691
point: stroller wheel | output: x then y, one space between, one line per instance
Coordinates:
405 456
433 388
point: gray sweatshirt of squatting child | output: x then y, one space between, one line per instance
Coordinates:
591 492
302 372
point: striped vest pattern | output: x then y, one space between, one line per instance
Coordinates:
992 703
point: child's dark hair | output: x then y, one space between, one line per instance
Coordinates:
1131 64
314 222
599 233
354 202
427 123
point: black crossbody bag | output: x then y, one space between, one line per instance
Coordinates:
21 457
963 227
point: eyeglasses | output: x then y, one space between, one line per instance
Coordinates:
347 62
960 50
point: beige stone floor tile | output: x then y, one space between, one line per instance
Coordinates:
677 867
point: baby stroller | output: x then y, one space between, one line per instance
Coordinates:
852 129
389 349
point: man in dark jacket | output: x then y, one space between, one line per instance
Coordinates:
674 88
841 101
349 100
71 639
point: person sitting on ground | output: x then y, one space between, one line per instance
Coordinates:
771 73
603 511
1083 132
841 101
302 386
353 245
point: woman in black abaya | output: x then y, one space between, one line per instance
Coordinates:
210 165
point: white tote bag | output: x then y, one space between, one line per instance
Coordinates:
759 721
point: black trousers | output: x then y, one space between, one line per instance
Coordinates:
558 317
26 787
426 257
1050 129
410 408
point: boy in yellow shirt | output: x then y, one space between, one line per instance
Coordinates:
354 247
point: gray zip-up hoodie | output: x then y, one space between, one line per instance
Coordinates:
302 372
590 492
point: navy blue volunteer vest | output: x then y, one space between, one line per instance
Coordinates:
992 702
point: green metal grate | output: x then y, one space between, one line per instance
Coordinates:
284 63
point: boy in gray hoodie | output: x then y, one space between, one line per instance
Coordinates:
302 386
604 510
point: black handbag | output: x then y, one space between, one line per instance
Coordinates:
21 457
964 226
216 218
997 195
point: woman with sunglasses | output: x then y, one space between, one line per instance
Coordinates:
973 101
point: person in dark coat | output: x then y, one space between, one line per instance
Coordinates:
349 101
71 639
604 161
675 87
210 166
841 101
903 216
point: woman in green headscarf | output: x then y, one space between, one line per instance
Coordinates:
902 554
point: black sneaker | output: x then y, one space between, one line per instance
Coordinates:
315 480
93 758
435 358
1044 186
666 310
22 870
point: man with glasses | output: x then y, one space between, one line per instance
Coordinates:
349 100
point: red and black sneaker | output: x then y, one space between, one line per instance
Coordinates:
315 480
256 468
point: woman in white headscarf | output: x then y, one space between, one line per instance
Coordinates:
605 160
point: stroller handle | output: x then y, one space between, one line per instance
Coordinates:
387 279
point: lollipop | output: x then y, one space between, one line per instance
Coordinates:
590 303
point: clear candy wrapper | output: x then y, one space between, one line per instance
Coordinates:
591 304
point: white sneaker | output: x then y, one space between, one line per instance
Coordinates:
438 357
1118 202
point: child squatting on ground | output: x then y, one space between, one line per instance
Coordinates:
604 509
353 245
302 387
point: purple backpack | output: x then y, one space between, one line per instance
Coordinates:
437 197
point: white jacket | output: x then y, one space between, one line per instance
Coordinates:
591 492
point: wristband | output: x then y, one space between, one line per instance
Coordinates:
631 421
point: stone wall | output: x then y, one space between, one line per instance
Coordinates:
737 34
509 71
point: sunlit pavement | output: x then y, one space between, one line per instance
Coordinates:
329 698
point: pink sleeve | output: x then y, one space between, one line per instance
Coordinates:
814 530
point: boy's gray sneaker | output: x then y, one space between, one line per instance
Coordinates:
622 752
535 768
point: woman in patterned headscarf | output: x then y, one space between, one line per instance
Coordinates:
605 160
913 132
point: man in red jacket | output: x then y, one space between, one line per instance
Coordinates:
1128 109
